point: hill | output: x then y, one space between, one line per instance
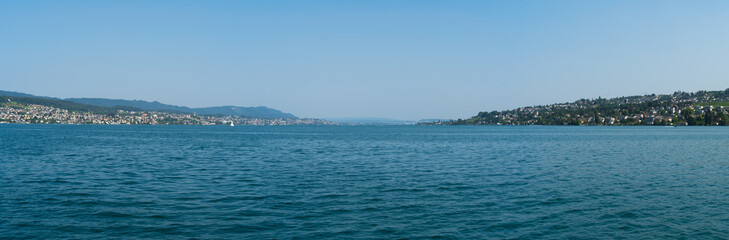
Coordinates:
64 104
17 94
144 105
34 110
259 112
680 108
252 112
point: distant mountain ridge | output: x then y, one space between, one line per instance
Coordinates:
369 120
17 94
145 105
254 112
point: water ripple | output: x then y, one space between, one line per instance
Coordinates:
363 182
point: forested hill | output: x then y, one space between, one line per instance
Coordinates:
17 94
253 112
257 112
64 104
679 108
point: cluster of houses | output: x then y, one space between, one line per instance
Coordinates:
655 116
34 113
704 108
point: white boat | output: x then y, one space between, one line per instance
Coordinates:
231 124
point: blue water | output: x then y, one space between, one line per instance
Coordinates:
363 182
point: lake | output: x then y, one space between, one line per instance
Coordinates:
363 182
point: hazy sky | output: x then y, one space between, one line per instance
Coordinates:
397 59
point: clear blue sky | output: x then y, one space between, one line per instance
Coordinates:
397 59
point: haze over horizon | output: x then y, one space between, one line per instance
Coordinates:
405 60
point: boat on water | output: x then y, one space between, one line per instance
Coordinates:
231 124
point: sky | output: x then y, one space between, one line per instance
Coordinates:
406 60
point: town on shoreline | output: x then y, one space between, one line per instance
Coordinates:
13 112
702 108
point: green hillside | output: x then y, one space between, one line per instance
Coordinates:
13 101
